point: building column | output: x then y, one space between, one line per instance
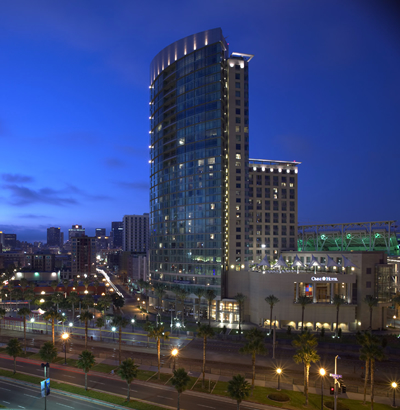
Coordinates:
314 293
297 291
349 292
332 292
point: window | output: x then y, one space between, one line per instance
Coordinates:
237 164
238 236
237 76
238 207
267 217
237 111
238 156
237 94
237 85
368 285
238 229
238 128
238 178
238 120
238 138
267 180
238 185
238 171
368 271
276 181
238 146
276 206
238 200
276 218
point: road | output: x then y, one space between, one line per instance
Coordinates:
139 390
30 398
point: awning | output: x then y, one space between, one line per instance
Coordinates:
347 263
314 262
265 262
331 262
281 263
297 262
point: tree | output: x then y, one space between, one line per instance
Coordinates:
2 314
337 301
117 300
180 380
57 298
120 322
157 333
86 283
65 283
240 298
85 362
14 349
128 371
254 346
238 389
24 312
306 353
199 292
86 317
205 331
303 301
272 301
147 286
104 303
210 296
48 353
52 315
96 284
73 299
160 293
100 322
54 285
181 295
30 296
88 301
371 302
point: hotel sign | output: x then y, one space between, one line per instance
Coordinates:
324 279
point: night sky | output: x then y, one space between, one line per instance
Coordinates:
74 103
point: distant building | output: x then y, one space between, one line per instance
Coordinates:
136 233
54 237
117 232
76 231
102 242
100 232
83 255
9 240
40 262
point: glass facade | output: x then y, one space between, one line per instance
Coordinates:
187 144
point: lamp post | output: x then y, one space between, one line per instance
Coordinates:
65 337
178 325
133 325
44 367
113 332
394 387
279 372
322 373
394 322
335 385
174 354
32 320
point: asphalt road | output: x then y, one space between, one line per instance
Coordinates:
144 391
15 396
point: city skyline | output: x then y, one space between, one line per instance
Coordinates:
74 114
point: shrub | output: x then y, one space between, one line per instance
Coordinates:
282 397
384 342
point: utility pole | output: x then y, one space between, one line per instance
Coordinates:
274 340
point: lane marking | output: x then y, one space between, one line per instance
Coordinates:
29 395
99 383
6 402
3 388
21 407
203 405
67 375
64 405
18 365
164 397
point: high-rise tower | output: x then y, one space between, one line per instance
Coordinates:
199 142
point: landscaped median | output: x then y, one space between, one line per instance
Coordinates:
91 394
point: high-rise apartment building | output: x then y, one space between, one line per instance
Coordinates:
117 232
76 231
100 232
83 255
54 237
136 233
203 223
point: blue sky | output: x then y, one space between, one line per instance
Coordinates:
324 90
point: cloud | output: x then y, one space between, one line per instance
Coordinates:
134 151
143 186
32 216
16 178
84 194
21 196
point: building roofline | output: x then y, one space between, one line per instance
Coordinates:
272 161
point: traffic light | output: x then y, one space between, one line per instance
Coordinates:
332 390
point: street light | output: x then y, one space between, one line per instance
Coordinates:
113 330
178 325
70 324
65 337
133 324
322 373
174 354
394 387
32 320
394 321
279 372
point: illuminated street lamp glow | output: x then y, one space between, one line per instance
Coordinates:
71 324
322 372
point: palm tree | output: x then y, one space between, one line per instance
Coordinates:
96 284
100 322
16 295
75 285
51 315
24 312
86 317
120 322
337 301
86 283
272 301
238 389
181 294
160 293
240 298
210 296
128 371
54 285
254 346
48 353
14 349
305 345
157 333
65 283
205 331
180 380
57 298
30 296
303 301
85 362
104 303
73 298
199 292
147 286
2 314
88 301
371 302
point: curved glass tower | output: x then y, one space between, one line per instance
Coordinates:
199 152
